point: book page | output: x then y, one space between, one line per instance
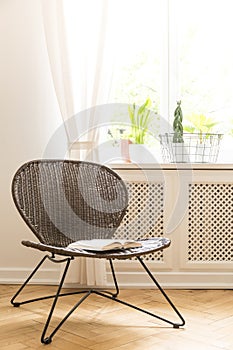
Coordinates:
103 244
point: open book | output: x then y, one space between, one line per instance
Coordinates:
104 244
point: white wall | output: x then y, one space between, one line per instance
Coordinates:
29 116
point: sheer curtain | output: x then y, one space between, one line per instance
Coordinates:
91 46
80 52
56 41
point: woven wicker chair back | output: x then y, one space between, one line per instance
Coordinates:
63 201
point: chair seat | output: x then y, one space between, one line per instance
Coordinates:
148 246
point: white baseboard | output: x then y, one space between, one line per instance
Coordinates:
16 275
175 280
167 279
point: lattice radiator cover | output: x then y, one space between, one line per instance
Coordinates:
144 217
210 224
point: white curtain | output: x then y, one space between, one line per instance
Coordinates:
55 38
91 47
81 55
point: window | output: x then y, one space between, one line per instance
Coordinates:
204 69
168 50
139 64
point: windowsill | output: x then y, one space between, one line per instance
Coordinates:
171 166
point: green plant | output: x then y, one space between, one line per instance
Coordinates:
177 124
201 124
140 118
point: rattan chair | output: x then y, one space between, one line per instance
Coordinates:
63 201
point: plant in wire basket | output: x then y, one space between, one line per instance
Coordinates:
197 144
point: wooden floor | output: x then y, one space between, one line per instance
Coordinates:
104 325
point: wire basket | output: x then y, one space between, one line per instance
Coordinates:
195 148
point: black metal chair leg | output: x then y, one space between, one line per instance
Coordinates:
47 340
175 325
51 258
16 304
114 279
115 294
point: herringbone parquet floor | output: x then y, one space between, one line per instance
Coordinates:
100 324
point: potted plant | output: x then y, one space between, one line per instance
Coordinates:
134 135
140 120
